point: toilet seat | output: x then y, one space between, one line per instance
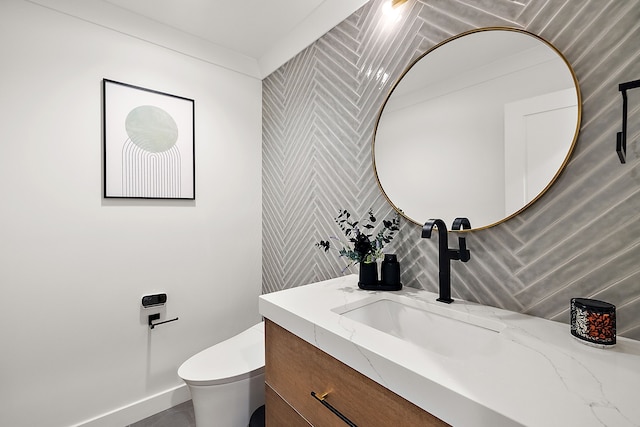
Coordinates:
239 357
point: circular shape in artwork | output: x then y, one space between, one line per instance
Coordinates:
151 128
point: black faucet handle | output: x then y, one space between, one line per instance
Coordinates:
462 223
464 253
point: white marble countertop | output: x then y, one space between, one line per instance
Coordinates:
533 373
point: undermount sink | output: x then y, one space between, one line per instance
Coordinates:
443 330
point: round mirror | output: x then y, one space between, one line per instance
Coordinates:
479 127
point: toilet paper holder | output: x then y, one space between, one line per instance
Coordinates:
156 316
153 301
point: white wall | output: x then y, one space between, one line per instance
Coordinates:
73 266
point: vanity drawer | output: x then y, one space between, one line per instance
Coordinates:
295 369
280 414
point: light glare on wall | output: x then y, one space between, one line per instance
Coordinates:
392 9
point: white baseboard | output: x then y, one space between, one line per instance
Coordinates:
141 409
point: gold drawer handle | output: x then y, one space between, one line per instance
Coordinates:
321 398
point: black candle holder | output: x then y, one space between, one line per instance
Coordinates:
593 322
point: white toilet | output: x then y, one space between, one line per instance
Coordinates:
226 380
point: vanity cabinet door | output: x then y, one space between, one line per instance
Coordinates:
294 369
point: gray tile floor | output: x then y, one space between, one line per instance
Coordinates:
178 416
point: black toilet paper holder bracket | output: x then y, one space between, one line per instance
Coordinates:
156 316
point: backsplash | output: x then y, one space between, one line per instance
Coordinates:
581 239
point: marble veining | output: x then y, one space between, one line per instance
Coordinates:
536 374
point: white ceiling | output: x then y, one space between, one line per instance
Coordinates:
249 27
254 37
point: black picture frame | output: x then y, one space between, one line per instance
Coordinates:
148 143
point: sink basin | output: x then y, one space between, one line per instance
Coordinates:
443 330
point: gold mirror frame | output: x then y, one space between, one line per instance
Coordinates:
443 43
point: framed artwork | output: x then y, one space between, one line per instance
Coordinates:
149 143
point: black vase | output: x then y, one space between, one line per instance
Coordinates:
368 275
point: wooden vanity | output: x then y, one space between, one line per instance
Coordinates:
295 369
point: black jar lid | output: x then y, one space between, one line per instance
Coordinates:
593 304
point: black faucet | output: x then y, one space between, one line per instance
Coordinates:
445 254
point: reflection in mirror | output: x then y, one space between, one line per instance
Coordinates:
479 126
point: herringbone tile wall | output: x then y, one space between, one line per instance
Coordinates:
581 239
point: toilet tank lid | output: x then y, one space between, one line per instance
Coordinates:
238 357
